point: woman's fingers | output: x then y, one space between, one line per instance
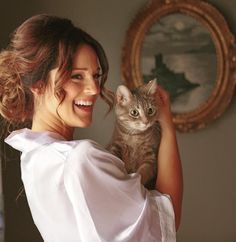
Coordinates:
164 115
163 94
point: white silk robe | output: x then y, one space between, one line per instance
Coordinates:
78 192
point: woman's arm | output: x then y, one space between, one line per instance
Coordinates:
170 178
102 193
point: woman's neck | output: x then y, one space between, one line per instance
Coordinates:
43 125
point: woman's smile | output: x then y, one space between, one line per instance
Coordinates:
84 105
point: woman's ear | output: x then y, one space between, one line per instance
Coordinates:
37 88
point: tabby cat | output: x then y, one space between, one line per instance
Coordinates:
137 133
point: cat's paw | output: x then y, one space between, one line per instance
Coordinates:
147 172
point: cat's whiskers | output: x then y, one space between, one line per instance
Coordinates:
132 131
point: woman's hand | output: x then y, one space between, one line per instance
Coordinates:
164 116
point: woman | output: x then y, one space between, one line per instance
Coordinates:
51 74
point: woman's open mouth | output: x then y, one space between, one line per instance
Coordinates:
83 105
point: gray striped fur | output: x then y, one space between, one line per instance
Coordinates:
136 139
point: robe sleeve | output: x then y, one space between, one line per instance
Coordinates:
111 205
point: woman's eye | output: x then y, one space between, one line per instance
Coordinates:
151 111
97 76
77 77
134 113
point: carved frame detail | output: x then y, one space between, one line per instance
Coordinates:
224 42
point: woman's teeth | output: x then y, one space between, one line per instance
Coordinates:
83 103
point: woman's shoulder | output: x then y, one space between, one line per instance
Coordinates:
28 141
50 145
86 147
88 153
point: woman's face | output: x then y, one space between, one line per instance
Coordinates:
81 90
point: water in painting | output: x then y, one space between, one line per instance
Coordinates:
180 53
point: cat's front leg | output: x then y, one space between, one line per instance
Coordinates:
115 149
147 171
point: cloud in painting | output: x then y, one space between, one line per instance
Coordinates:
177 33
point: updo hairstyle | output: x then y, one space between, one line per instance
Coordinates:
40 44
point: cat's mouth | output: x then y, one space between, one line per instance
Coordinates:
144 127
140 127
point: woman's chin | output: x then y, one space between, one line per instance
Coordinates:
85 123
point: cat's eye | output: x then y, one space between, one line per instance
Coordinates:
151 111
134 113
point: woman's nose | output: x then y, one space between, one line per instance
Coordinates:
92 87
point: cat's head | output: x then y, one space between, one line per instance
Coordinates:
137 109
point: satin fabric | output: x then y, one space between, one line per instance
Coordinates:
78 192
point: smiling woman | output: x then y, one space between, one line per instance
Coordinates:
81 92
51 74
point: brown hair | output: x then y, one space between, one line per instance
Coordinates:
41 43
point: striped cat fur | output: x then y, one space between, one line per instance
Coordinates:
137 133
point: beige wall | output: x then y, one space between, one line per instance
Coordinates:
209 155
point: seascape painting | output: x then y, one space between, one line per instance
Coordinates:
179 52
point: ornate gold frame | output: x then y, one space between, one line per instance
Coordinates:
223 39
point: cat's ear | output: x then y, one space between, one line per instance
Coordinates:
151 87
123 95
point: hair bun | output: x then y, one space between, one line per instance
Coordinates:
12 94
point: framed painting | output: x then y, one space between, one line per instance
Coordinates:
188 47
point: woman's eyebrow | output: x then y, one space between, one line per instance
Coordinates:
84 68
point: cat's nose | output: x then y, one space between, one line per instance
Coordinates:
145 121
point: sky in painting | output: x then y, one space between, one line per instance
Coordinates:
177 33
